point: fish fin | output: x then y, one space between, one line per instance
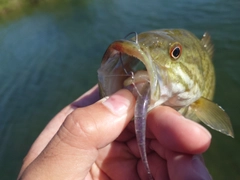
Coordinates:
207 44
188 112
213 116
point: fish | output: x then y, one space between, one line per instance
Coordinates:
168 67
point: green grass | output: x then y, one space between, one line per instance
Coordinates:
8 6
12 9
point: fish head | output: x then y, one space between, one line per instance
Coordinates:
172 61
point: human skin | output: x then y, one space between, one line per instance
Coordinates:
95 139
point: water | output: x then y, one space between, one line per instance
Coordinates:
50 55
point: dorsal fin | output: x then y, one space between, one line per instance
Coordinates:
207 44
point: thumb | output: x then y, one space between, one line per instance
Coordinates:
74 148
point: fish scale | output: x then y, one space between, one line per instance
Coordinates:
180 72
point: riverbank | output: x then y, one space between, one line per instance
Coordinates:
16 8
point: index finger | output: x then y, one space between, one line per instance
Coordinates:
176 133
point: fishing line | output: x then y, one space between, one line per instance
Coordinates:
121 61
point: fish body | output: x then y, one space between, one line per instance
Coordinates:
178 67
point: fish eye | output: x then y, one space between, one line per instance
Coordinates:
175 51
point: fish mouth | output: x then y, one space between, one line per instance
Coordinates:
126 64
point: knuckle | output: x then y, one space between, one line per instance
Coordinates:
80 126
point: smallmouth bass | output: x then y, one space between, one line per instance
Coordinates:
176 71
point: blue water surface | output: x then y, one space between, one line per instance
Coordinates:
49 57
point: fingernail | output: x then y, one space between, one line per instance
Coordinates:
117 103
200 168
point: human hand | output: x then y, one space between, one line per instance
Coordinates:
98 142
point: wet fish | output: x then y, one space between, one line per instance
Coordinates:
176 71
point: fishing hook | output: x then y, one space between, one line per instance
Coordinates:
131 74
136 36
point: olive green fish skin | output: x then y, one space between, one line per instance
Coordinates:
183 79
194 61
192 74
178 72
